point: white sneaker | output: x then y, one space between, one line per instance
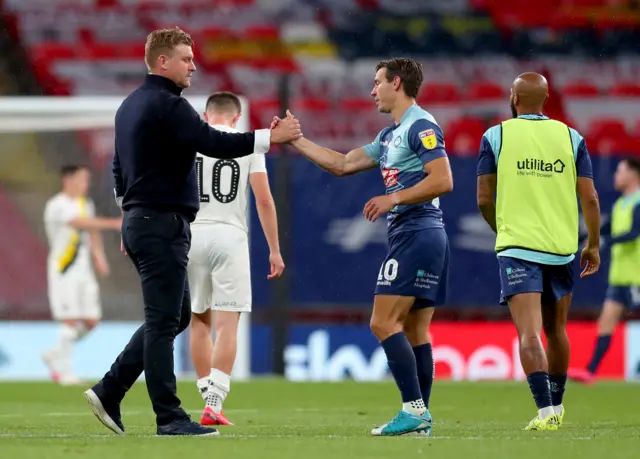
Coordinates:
71 380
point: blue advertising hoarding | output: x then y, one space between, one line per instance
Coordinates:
336 254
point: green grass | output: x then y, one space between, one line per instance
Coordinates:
278 419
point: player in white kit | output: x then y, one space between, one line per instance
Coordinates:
73 233
218 269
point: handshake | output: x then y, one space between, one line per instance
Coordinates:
285 130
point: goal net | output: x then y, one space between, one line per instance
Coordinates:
37 136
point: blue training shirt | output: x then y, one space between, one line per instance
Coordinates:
401 151
488 164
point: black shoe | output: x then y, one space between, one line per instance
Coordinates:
185 426
109 415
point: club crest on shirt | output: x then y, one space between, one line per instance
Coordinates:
428 139
390 177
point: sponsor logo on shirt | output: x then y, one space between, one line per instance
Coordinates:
428 139
390 177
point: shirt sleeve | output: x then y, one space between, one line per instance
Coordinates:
258 163
91 208
486 158
426 140
118 190
373 149
633 233
583 161
194 131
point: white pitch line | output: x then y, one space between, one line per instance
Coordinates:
124 413
241 436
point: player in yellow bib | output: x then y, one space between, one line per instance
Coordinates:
622 234
533 165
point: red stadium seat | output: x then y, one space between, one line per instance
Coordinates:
607 127
462 136
438 92
356 104
485 90
625 89
581 89
627 146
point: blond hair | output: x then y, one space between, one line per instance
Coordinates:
164 41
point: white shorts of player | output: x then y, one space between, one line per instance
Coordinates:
219 268
74 295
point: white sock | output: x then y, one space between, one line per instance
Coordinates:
416 407
64 350
82 331
219 387
558 409
545 412
203 387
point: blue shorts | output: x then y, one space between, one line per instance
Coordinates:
521 276
417 265
628 296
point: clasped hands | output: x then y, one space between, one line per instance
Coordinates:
285 130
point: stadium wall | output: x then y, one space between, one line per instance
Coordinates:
331 241
462 351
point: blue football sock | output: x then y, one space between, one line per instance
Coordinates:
557 388
402 363
426 370
602 346
540 388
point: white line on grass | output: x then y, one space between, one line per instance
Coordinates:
124 413
241 436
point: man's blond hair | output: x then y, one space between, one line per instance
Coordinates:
163 41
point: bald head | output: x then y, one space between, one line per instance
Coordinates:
528 94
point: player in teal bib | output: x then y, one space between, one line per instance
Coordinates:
622 235
413 277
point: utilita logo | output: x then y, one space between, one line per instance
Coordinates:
534 166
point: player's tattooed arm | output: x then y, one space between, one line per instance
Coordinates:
487 184
334 162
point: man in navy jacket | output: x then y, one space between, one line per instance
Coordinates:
157 135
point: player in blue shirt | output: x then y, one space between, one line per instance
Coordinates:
412 279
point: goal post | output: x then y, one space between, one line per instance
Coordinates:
92 119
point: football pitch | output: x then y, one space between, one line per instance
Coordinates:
278 419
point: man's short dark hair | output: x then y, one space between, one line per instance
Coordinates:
71 169
634 165
409 71
224 102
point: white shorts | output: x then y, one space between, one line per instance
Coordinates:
74 296
219 268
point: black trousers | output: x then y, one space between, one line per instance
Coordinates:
158 244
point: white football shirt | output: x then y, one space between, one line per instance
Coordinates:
68 247
223 186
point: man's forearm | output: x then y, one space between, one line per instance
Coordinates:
93 223
269 222
591 212
426 190
488 212
330 160
97 245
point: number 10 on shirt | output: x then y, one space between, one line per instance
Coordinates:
216 180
